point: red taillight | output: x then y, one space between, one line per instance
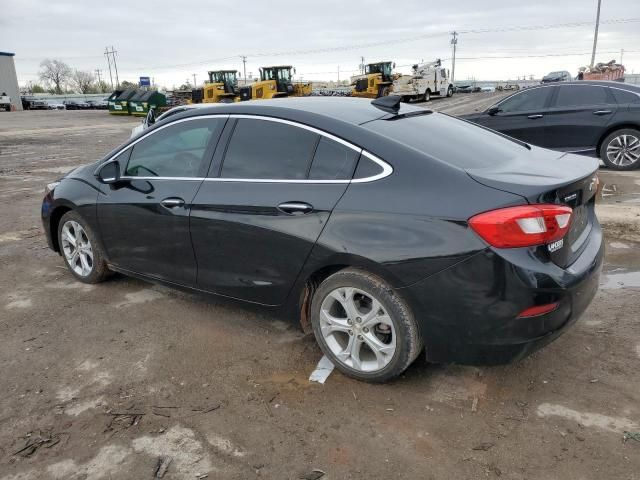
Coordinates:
538 310
523 226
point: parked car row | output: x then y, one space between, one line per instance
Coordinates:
31 103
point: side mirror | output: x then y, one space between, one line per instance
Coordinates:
150 119
493 110
109 172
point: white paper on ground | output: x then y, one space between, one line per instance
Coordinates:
322 371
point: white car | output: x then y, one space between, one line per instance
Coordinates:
150 119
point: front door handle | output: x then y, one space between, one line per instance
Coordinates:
533 117
295 208
602 112
172 202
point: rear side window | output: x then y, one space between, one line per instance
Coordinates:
579 95
178 150
625 97
332 161
534 99
263 149
367 168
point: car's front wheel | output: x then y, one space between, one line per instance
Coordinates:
621 149
80 249
364 327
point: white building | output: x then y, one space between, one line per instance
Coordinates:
9 79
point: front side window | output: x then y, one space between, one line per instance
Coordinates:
580 95
178 150
534 99
263 149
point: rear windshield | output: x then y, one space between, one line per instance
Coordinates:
450 140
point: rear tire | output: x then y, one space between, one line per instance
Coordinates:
364 327
81 250
620 150
427 95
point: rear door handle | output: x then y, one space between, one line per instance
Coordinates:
533 117
172 202
602 112
295 208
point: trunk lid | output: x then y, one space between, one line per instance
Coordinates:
544 176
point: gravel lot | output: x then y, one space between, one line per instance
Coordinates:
99 381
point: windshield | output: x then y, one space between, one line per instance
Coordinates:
555 74
384 68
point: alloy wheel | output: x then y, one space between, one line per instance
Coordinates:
357 329
624 150
77 248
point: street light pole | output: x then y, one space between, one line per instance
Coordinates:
595 35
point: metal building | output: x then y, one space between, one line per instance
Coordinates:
9 79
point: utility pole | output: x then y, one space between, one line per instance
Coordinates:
194 80
595 35
97 70
338 74
106 54
454 43
621 55
115 66
244 67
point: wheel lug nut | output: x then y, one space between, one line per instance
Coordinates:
358 319
365 330
359 337
351 332
349 321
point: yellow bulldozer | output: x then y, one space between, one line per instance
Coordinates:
275 82
222 87
376 81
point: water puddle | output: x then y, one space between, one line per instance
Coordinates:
620 278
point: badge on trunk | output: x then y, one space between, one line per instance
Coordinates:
555 245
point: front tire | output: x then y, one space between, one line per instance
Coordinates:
450 91
81 250
364 327
427 95
620 150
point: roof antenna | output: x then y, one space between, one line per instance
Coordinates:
389 104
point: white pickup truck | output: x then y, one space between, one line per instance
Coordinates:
426 79
5 102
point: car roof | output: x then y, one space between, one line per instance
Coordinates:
602 83
355 111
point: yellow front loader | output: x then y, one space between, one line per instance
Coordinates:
376 81
222 87
275 82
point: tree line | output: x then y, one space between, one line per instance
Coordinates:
58 77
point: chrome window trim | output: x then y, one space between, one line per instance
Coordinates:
386 168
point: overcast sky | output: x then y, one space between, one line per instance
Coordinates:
170 40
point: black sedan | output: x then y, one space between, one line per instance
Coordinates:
586 117
385 230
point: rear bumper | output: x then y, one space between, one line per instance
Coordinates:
468 313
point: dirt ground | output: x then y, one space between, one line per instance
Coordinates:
98 382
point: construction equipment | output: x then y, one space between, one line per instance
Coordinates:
275 82
222 87
426 79
611 71
376 81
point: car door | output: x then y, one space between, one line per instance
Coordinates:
144 218
520 115
256 218
578 116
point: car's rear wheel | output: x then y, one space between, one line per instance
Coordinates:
364 327
80 249
621 149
